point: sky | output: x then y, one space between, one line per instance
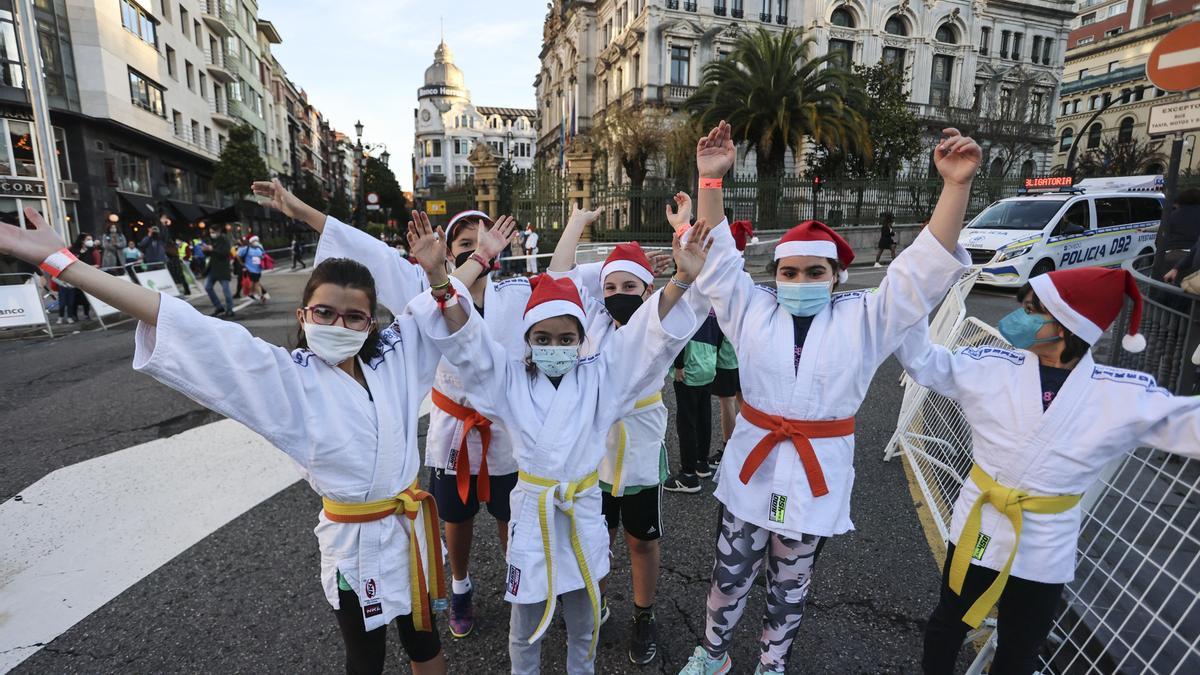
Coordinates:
365 59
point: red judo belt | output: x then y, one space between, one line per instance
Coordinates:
462 464
799 432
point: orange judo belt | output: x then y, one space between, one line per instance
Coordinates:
462 464
413 502
799 432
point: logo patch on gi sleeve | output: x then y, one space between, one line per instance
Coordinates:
514 579
373 609
981 545
778 507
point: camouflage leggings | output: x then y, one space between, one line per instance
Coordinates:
741 548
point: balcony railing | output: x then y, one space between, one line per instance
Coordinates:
189 137
215 63
675 93
672 4
719 10
764 17
219 109
217 17
737 13
781 19
689 6
1105 79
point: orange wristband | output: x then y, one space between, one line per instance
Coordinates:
710 183
56 262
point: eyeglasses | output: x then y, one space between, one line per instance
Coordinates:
324 315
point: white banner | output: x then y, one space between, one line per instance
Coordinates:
158 280
101 308
21 305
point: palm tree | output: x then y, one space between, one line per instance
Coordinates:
776 98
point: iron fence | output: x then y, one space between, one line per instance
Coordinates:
1171 324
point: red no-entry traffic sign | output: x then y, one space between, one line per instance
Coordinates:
1174 64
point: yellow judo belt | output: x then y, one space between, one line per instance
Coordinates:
1012 503
555 494
618 473
411 503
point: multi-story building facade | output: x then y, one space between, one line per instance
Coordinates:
964 60
1112 71
448 126
1100 19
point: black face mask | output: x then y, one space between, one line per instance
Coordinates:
622 306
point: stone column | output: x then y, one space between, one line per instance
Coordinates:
581 163
487 179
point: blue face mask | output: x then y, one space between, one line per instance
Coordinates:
554 361
1021 328
804 298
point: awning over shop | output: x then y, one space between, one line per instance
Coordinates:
138 207
186 213
225 215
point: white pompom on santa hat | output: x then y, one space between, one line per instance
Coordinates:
815 238
1087 300
628 257
551 298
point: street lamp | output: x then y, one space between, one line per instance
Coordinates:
385 156
358 127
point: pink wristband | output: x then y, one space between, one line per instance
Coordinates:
56 262
710 183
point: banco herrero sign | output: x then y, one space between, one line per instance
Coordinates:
450 92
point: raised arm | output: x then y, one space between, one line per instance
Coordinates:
690 259
1165 422
564 252
281 199
930 365
489 244
957 158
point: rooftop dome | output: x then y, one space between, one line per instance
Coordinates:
443 72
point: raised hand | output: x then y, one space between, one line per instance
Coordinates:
581 218
957 157
278 197
660 262
32 246
690 257
492 241
680 217
427 245
715 153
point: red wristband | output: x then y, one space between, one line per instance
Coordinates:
56 262
710 183
479 259
445 298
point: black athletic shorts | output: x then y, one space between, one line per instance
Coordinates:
444 487
726 383
641 512
254 276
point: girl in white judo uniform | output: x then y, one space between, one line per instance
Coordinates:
558 409
806 360
1045 420
344 407
635 463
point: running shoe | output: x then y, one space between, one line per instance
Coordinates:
703 470
759 670
683 482
604 613
217 312
700 663
462 614
643 644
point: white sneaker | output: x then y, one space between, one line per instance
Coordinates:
878 265
70 320
60 321
700 663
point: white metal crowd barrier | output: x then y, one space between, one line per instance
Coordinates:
1134 606
21 303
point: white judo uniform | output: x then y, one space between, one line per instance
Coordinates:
635 453
1100 414
558 434
846 343
351 445
504 305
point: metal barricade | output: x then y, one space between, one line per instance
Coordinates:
21 303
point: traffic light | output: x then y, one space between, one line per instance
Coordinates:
818 184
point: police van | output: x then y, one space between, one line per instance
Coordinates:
1058 225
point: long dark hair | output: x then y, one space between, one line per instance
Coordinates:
1074 347
349 274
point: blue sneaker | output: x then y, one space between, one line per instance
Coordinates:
701 663
462 614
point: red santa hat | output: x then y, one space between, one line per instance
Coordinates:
553 297
815 238
462 218
628 257
1087 300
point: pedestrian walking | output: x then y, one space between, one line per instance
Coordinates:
111 245
219 263
343 407
531 250
199 258
251 256
887 237
175 266
558 408
1046 420
297 253
695 369
806 360
727 387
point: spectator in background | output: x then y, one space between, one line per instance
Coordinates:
110 247
175 265
219 263
297 253
131 255
695 369
68 295
531 249
1183 231
199 258
887 237
154 246
251 256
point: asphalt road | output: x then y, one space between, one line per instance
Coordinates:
248 598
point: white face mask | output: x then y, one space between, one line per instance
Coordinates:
333 344
88 243
555 361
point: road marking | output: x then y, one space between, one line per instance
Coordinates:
82 535
1183 57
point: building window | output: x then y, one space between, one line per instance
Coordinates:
1085 41
896 25
171 70
947 34
185 25
137 21
1005 38
841 52
1037 48
842 17
1125 131
1037 100
437 149
11 73
1093 139
680 65
1087 19
177 122
189 72
1068 137
204 86
985 40
1016 50
146 94
133 173
894 56
1046 46
939 81
17 152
